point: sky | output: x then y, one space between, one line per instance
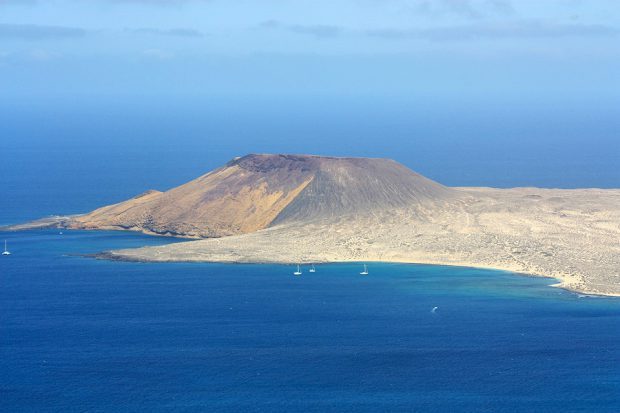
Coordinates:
555 51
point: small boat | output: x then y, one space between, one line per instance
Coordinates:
298 272
365 272
312 269
6 252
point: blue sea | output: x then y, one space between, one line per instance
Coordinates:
62 156
79 334
84 335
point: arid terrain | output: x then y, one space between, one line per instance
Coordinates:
307 209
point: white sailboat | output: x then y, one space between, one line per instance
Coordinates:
298 272
365 272
312 269
6 251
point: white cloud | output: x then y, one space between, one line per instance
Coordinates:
498 31
472 9
158 54
42 55
176 32
39 32
316 30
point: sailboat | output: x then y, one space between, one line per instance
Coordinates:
312 269
298 272
365 272
6 252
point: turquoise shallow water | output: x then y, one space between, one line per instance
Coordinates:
78 334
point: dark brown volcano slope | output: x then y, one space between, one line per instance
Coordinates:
256 191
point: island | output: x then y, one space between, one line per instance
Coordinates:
276 208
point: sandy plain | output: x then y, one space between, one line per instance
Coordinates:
570 235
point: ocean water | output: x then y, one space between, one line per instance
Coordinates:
69 156
79 334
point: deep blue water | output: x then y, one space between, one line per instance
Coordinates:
79 334
70 156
